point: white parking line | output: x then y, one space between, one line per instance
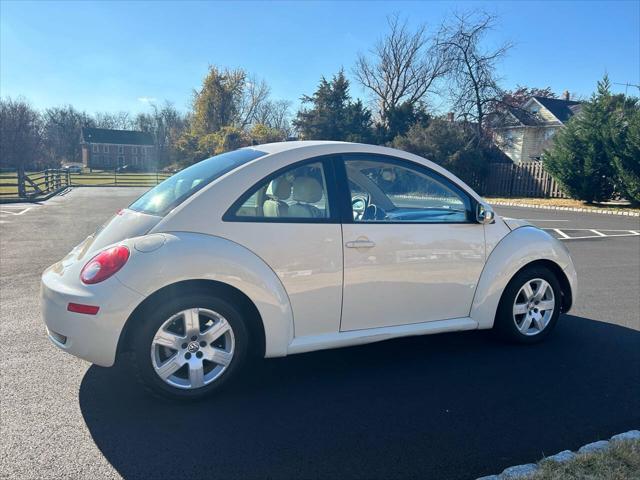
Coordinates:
560 232
5 210
544 220
596 233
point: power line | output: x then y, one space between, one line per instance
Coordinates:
627 85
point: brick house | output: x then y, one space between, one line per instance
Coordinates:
523 134
104 148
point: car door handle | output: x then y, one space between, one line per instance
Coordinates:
360 244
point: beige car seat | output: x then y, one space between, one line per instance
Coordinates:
306 190
278 191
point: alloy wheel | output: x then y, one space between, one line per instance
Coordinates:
192 348
533 306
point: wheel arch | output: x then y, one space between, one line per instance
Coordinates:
214 288
518 250
565 286
215 264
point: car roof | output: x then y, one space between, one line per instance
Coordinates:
278 147
327 147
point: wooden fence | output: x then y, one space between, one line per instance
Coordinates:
524 180
31 186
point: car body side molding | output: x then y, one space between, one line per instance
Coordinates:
370 335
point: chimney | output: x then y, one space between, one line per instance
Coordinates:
566 95
450 117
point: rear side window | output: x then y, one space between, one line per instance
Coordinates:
299 193
176 189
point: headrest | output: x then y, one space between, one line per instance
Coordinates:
279 188
307 189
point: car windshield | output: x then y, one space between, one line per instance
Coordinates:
176 189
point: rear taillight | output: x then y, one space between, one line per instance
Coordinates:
104 264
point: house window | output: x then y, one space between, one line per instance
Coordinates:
96 148
549 133
134 160
120 149
134 150
120 160
143 151
105 148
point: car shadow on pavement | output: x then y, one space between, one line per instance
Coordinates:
442 406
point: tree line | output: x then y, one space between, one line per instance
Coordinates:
405 75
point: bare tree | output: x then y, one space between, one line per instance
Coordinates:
61 130
402 67
118 121
474 84
21 141
275 114
254 94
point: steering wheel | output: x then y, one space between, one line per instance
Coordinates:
359 204
374 212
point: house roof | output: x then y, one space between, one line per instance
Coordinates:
119 137
563 110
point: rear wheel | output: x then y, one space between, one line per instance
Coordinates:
530 306
190 347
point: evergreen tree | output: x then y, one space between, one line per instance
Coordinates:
625 141
451 145
398 120
580 157
332 114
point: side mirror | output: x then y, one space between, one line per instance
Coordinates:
485 214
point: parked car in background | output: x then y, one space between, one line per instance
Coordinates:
128 169
72 168
285 248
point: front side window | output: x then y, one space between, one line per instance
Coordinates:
399 191
105 148
177 188
297 194
96 149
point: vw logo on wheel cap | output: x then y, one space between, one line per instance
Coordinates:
193 347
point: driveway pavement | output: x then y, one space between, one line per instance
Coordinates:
448 406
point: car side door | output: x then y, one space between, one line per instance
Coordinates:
291 220
413 251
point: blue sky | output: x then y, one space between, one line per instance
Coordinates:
110 56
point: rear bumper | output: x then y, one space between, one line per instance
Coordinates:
91 337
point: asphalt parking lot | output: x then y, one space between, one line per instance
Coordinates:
448 406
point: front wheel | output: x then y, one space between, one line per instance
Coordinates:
189 347
530 306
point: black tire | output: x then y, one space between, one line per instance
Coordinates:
148 324
505 323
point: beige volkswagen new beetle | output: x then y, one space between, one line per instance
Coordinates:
291 247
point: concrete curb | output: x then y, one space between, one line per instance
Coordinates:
568 209
521 472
